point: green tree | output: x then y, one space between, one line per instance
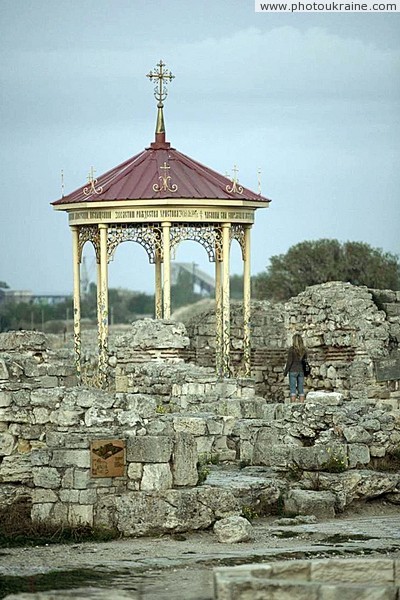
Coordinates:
313 262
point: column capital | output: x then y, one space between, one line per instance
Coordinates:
102 226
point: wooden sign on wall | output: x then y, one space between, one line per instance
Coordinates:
107 458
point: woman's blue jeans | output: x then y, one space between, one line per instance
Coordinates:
296 383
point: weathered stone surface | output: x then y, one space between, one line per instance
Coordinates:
356 434
328 398
7 444
21 340
374 570
144 513
184 461
320 456
66 458
150 333
232 530
306 502
353 484
80 514
149 449
15 468
46 477
156 477
3 370
358 454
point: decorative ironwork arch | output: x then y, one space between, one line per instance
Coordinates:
237 233
148 236
89 233
208 235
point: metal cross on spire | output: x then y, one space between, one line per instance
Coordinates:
162 77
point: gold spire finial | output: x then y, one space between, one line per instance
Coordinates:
161 76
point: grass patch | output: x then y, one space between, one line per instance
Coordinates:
17 529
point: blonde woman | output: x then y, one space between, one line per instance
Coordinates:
294 366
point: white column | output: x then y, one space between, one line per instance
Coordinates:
77 300
103 312
158 287
226 246
218 316
246 301
166 226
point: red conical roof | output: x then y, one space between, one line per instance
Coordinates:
139 176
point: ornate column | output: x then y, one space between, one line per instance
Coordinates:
226 245
246 301
166 226
103 307
158 286
218 316
77 299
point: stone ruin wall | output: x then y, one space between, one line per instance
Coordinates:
171 412
347 329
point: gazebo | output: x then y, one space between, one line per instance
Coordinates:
159 198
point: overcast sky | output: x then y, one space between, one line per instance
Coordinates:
310 99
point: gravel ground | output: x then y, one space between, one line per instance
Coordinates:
180 567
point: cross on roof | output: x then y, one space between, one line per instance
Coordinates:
162 76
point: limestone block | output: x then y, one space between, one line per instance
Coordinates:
204 444
95 417
41 415
377 451
135 471
16 468
328 398
276 455
186 509
121 383
7 444
142 405
66 418
320 456
47 381
128 417
232 530
306 502
46 477
357 434
149 449
41 512
184 460
5 399
356 484
229 423
69 495
357 592
80 514
40 457
353 570
43 496
81 479
191 424
156 477
3 370
22 415
214 426
87 496
70 458
358 454
88 398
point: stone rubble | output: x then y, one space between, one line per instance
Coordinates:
178 419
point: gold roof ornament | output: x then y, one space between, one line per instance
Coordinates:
165 179
161 76
91 188
235 188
